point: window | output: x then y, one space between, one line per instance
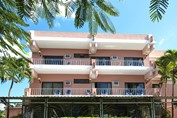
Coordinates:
81 81
81 55
155 86
134 85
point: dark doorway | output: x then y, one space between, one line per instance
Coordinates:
53 60
104 88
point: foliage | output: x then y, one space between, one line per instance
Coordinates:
14 12
18 116
170 60
163 68
157 9
95 12
15 69
11 31
165 113
2 114
166 64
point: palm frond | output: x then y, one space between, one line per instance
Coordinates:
157 9
107 7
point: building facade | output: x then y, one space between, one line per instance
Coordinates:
107 75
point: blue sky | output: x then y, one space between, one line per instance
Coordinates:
133 19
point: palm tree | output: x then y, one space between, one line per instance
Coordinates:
14 70
171 57
157 9
163 70
168 68
14 12
95 12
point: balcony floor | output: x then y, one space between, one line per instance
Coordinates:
85 69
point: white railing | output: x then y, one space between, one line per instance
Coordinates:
92 91
61 61
88 62
120 62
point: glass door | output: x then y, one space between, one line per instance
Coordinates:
50 88
134 88
104 88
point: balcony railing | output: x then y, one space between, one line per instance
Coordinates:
61 61
91 92
38 61
120 62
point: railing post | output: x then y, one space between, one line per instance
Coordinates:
101 108
46 108
152 108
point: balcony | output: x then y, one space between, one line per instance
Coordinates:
83 66
90 92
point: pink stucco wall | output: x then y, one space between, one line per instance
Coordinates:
101 78
14 112
62 52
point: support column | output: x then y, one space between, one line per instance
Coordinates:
46 108
152 108
101 108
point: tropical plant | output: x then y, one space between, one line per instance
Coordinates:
163 70
170 58
95 12
14 70
17 116
13 13
11 31
2 114
165 113
157 9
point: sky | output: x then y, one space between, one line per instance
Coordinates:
133 19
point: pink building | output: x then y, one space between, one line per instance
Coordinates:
109 75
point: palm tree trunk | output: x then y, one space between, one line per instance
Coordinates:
172 93
8 103
166 95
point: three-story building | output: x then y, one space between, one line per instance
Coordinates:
75 74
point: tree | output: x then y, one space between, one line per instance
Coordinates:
14 70
170 58
95 12
163 70
157 9
2 114
14 12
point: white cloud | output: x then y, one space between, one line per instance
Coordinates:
161 41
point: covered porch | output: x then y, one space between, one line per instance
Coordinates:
86 106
